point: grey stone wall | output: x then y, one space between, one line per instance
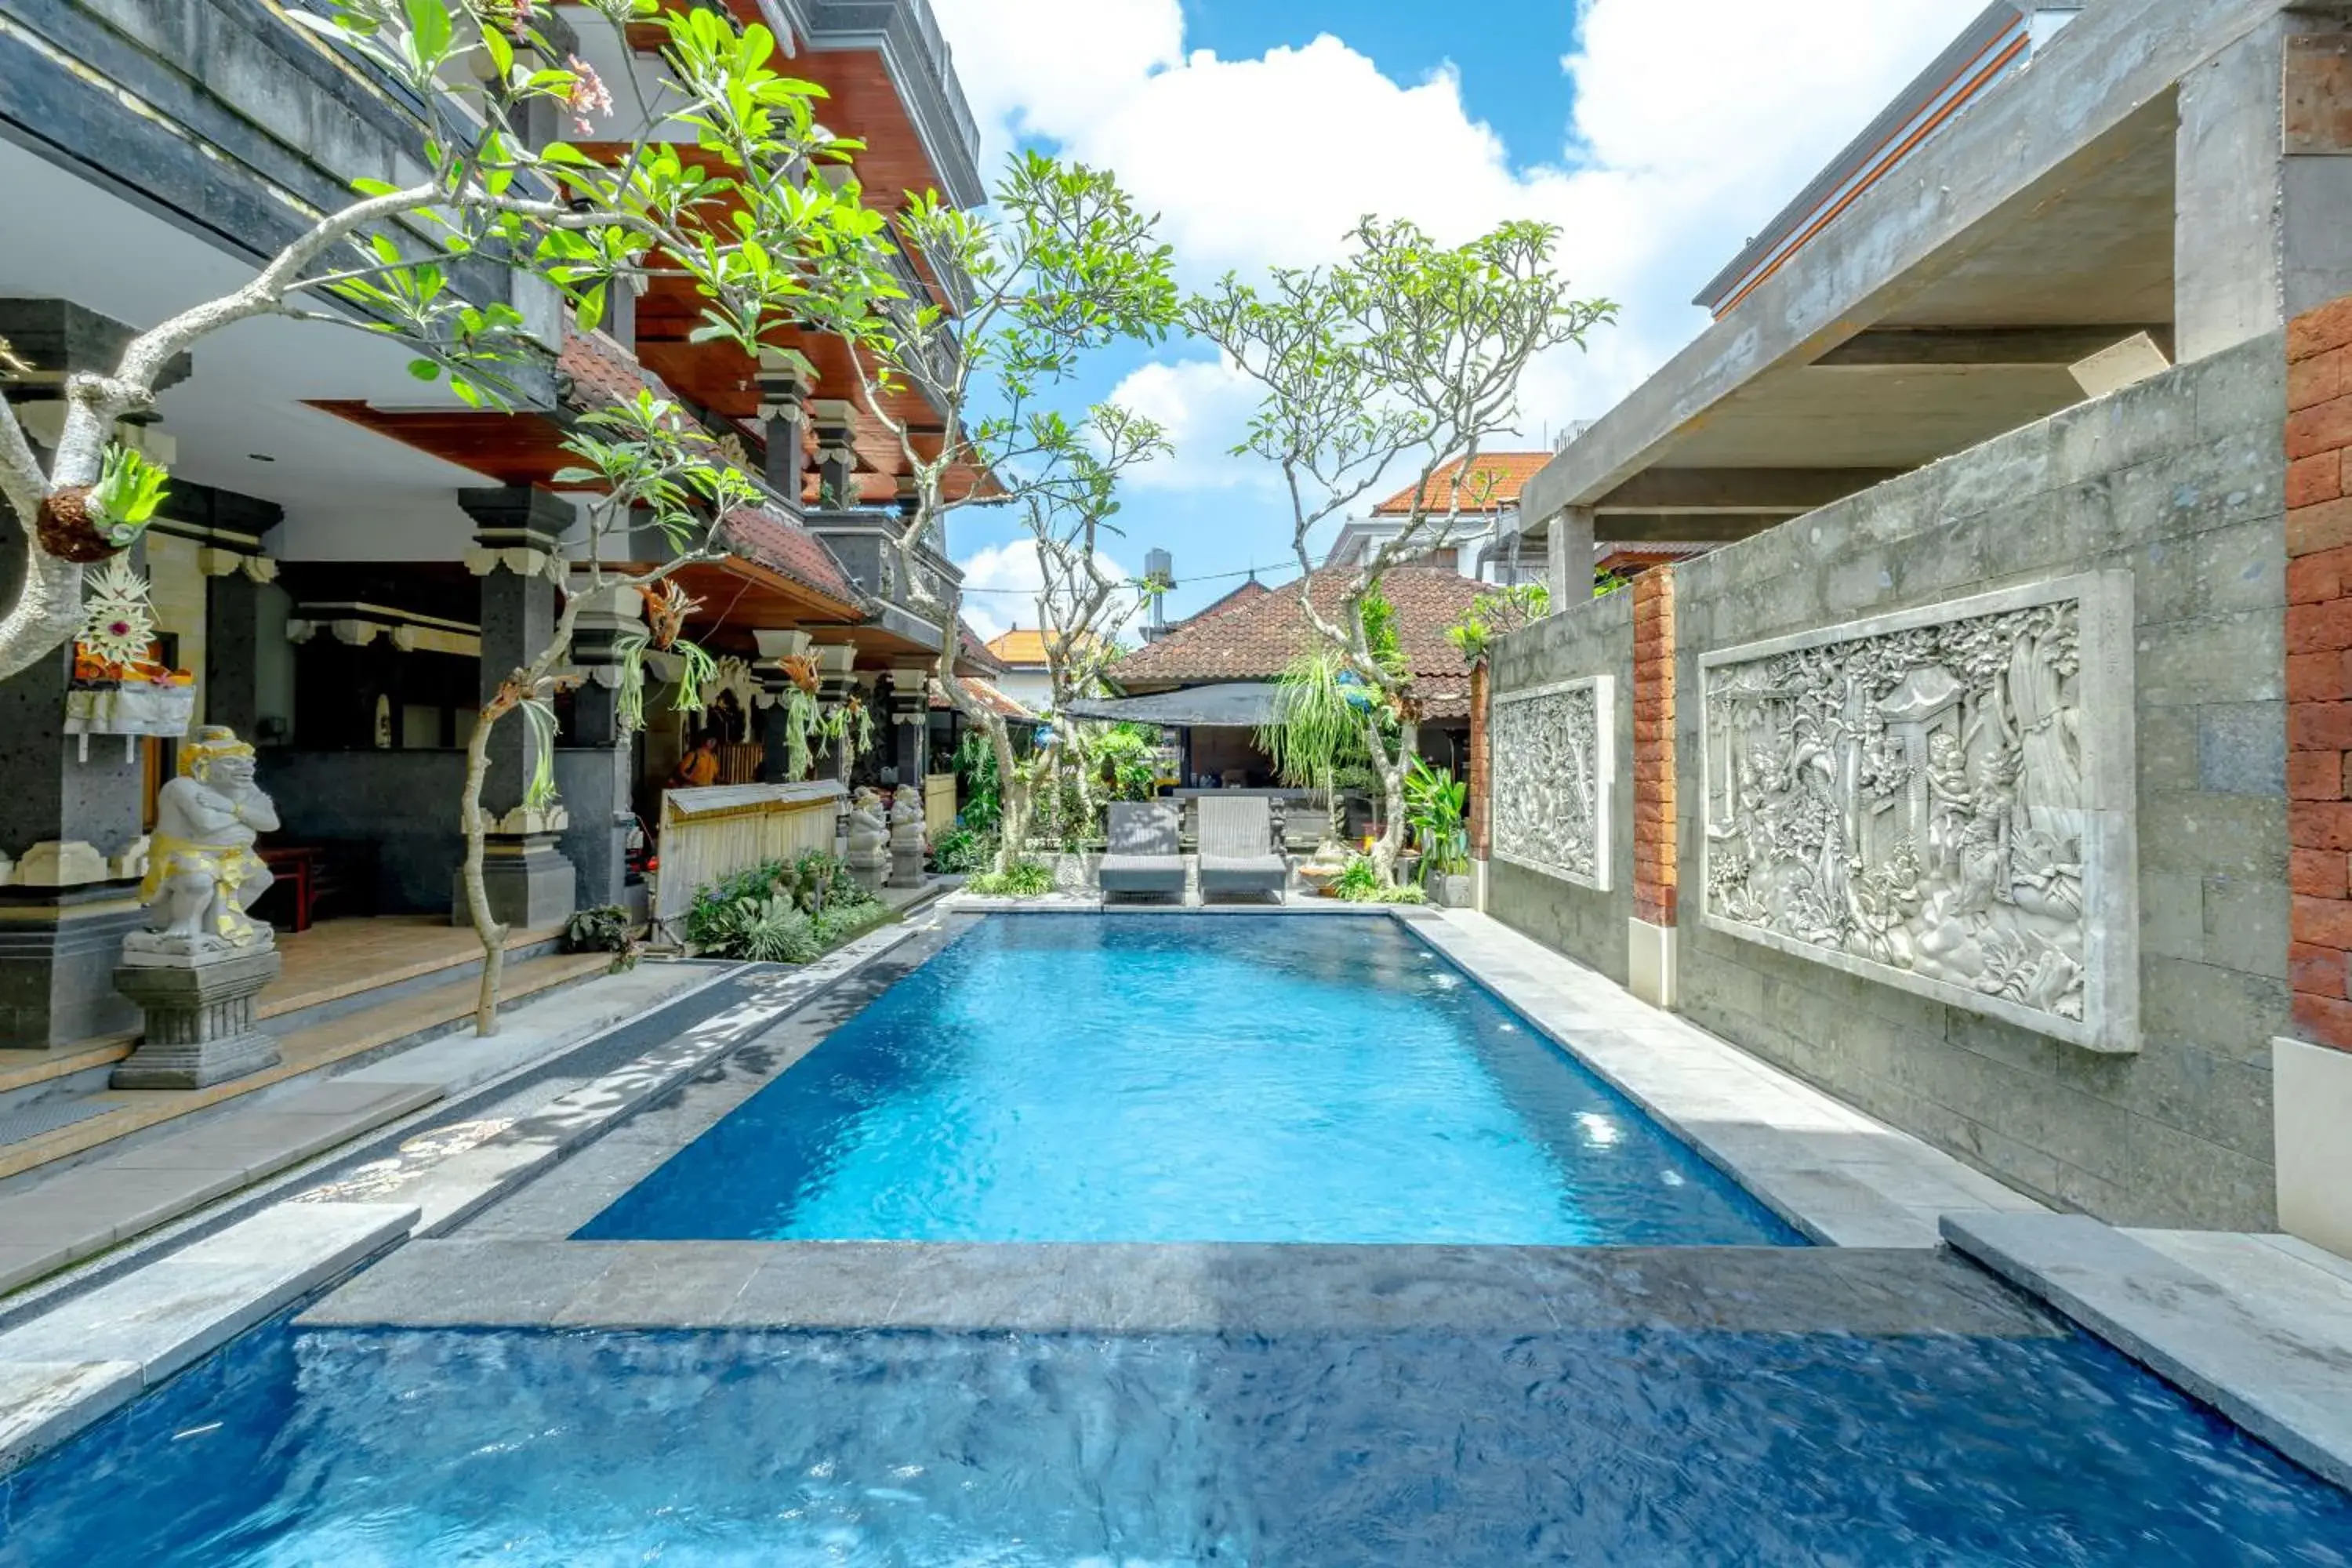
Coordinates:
402 803
2179 480
1594 637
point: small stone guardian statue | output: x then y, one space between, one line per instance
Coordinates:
201 960
867 851
202 872
907 838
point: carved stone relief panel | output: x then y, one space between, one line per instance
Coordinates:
1554 765
1939 800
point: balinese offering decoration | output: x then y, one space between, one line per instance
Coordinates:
119 686
1941 801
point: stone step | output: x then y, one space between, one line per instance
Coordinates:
83 1212
215 1147
405 1021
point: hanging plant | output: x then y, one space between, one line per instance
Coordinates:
849 725
86 524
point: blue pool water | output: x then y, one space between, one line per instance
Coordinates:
1148 1078
1297 1451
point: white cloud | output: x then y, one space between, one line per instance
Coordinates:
1204 407
1694 123
1002 582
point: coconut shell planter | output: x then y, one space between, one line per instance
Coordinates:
72 529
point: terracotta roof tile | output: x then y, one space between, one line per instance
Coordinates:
603 373
970 650
1511 471
990 697
1249 589
774 540
1256 640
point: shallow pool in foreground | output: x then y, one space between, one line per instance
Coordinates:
879 1451
1170 1077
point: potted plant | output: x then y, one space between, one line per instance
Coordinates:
1436 810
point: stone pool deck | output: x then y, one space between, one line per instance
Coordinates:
475 1232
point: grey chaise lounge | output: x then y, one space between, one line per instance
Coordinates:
1144 855
1237 852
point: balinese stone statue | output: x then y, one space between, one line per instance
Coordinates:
907 838
869 833
906 826
202 873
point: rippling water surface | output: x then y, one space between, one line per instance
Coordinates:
918 1451
1148 1078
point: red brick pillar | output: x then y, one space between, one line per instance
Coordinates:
1651 962
2311 1074
2319 668
1482 769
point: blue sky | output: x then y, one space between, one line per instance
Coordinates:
1657 133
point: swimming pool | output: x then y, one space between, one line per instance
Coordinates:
1471 1450
1172 1078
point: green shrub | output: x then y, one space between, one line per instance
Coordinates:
959 851
810 884
1360 883
844 924
1028 879
772 930
604 929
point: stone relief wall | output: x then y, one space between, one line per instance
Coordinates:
1939 800
1553 778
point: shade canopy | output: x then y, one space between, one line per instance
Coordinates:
1235 704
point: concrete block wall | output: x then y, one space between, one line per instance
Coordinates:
1594 637
2180 481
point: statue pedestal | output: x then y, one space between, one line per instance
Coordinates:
906 867
199 1018
871 871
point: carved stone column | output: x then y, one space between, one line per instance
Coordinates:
910 720
837 460
774 703
70 846
783 413
531 883
836 683
598 764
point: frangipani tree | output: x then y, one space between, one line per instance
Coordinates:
733 209
737 208
651 466
1083 604
1062 266
1408 350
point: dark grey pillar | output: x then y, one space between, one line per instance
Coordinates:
910 723
531 883
837 460
596 766
68 903
783 413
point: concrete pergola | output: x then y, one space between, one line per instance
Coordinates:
2175 167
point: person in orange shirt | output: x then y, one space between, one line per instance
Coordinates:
700 767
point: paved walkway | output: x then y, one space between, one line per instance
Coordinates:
51 1222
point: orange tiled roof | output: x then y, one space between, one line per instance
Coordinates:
1509 471
1025 646
603 373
